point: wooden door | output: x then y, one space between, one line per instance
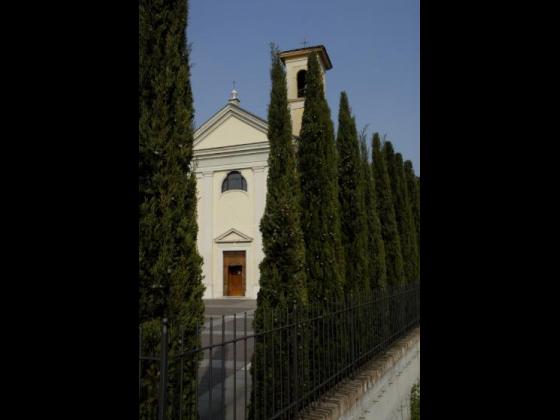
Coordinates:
234 273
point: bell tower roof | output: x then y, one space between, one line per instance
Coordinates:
319 49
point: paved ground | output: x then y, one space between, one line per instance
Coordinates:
224 379
229 306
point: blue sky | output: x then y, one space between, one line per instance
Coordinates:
374 46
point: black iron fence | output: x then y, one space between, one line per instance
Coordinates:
295 356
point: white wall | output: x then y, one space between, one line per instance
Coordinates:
220 212
232 145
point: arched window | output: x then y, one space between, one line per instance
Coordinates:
234 181
301 83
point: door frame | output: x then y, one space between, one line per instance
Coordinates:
218 268
226 273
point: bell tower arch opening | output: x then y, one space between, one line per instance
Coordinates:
295 62
301 83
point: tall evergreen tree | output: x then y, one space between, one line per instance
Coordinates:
386 210
377 269
282 279
282 269
413 185
376 248
170 272
402 211
408 220
351 193
320 221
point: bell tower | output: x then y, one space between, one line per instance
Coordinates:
296 69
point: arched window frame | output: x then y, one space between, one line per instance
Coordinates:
229 179
301 82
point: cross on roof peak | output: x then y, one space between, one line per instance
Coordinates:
304 43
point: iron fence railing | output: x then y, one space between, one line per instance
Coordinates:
294 355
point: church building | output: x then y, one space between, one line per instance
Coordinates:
230 160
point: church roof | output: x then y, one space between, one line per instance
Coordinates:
301 51
223 110
227 111
231 109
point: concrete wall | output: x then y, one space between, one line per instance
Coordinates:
380 390
389 398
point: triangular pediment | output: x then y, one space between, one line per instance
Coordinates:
230 126
233 236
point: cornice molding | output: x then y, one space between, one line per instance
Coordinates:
235 150
242 237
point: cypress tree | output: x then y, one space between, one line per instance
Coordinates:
377 269
320 219
170 274
386 210
402 211
351 193
413 185
408 216
376 247
282 279
282 269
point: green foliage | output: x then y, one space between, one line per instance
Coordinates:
170 272
403 212
351 194
283 277
377 268
409 200
386 211
413 186
353 217
282 269
415 402
376 248
150 333
320 219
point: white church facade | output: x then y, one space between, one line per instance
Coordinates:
230 160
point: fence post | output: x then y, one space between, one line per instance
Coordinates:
140 364
352 334
163 372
